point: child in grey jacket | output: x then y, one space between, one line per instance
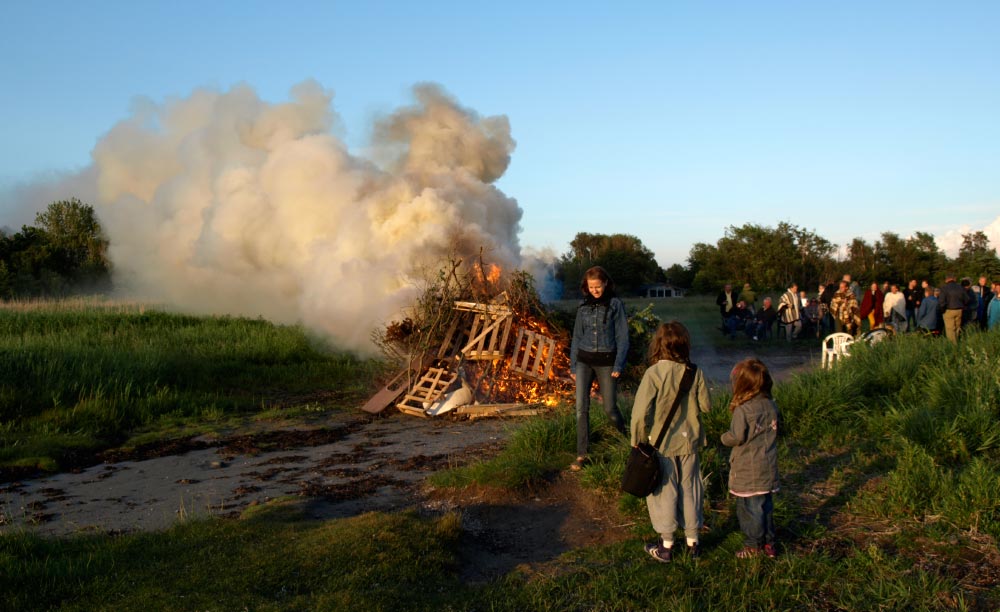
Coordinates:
753 473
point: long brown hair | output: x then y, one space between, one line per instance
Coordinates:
597 273
750 378
671 341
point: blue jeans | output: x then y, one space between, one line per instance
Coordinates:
756 516
584 378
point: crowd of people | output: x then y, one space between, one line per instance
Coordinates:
846 307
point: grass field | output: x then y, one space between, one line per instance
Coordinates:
890 469
78 377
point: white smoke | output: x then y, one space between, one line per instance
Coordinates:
951 241
224 203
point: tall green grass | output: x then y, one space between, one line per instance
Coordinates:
80 379
930 408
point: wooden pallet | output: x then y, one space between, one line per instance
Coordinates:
488 337
533 355
490 328
429 389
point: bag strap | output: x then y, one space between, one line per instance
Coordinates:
686 381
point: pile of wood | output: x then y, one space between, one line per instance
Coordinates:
479 333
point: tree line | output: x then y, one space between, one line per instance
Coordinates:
64 252
773 257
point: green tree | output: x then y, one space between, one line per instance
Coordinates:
76 238
977 257
762 256
629 262
679 276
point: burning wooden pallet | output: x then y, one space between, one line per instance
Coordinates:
478 332
491 325
533 355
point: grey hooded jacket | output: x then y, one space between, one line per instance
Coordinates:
753 434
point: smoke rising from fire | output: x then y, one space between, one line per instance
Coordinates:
224 203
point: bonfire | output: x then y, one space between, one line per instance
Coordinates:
476 344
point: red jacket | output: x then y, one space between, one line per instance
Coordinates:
872 304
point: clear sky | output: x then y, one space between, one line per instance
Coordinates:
667 120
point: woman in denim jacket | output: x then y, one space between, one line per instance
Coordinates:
599 347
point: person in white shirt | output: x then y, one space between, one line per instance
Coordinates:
894 308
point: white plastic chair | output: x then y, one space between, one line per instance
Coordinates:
836 346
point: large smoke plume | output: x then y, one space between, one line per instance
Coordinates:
224 203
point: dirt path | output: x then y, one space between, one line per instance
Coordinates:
345 466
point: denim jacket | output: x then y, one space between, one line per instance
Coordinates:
597 333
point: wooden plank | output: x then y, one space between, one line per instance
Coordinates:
388 394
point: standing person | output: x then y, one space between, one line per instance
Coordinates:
972 305
894 309
871 306
753 465
951 302
598 349
790 310
826 293
927 314
844 308
855 288
912 297
986 295
993 308
669 355
725 301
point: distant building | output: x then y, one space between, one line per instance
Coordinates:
661 290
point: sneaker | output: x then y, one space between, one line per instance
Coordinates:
748 552
694 551
770 550
577 465
755 338
660 552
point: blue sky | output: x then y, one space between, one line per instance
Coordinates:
667 120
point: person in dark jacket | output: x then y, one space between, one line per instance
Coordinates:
598 349
726 301
971 305
984 290
913 297
825 298
760 327
738 319
951 304
753 473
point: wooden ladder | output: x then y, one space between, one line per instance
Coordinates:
429 389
